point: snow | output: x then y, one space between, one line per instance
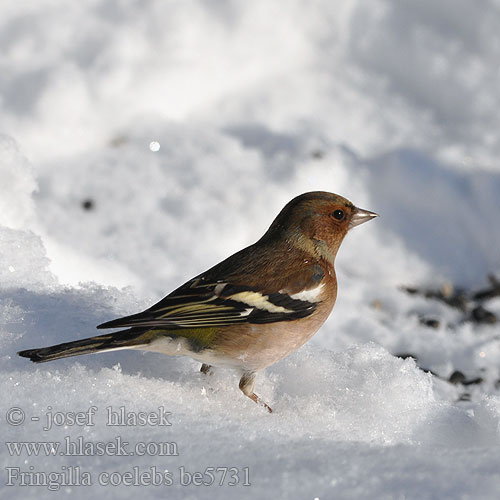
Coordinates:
142 142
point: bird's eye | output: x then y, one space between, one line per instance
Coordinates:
338 214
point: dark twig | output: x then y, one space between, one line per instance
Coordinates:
454 297
488 293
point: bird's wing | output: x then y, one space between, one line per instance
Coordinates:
201 303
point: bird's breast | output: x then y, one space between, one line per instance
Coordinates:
255 346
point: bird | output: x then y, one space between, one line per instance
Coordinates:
250 310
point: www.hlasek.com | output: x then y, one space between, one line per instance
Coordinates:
75 476
79 447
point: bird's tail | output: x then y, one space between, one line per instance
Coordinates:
125 339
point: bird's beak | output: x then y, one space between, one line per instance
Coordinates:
360 216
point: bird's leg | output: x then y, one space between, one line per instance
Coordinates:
206 369
247 383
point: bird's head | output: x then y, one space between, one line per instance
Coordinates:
317 222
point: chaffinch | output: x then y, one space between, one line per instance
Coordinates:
250 310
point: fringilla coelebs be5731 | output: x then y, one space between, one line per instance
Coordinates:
250 310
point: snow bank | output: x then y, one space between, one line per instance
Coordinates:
339 417
24 263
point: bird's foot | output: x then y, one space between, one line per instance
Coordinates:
259 401
247 383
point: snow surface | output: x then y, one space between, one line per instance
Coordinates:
393 104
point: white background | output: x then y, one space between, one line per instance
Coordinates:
393 104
